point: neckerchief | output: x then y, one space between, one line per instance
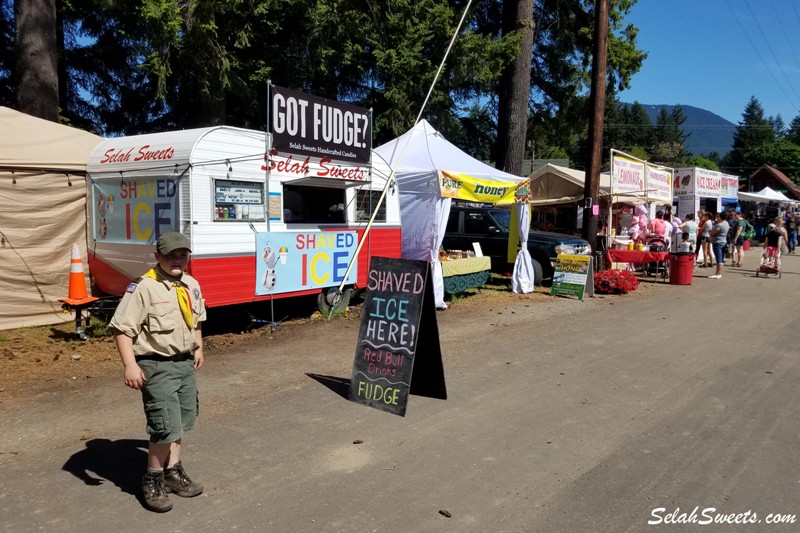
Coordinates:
183 295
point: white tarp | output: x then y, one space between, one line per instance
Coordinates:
417 157
764 195
42 214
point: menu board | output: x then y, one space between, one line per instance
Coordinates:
238 192
398 325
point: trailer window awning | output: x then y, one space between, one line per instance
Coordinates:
329 183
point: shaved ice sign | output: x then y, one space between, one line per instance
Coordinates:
397 316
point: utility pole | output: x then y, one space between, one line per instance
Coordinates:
591 187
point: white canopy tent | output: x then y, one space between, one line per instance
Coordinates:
764 195
418 157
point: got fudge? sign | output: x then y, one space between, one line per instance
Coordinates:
398 325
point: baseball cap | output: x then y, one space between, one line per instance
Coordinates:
770 226
172 241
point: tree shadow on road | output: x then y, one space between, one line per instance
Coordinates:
122 462
340 386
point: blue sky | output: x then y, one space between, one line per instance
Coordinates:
715 54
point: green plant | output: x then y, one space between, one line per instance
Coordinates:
99 328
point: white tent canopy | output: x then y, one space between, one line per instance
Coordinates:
43 213
764 195
553 184
417 157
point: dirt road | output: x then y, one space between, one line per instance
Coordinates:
561 416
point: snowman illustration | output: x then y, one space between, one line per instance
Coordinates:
102 209
269 258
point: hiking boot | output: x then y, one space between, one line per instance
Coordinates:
179 483
155 493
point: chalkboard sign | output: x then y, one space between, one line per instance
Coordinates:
398 339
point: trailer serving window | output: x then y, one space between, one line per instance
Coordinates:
312 204
238 200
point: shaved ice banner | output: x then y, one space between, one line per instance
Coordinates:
301 260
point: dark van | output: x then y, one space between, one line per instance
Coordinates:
489 226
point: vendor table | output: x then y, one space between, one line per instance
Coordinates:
636 256
467 273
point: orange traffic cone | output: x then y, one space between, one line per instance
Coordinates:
77 282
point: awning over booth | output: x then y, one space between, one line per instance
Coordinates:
430 171
764 195
553 184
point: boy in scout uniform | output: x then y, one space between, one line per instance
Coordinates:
160 343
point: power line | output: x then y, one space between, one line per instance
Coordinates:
744 31
771 51
783 29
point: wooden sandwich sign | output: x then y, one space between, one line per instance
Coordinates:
398 348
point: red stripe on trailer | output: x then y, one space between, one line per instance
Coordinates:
230 280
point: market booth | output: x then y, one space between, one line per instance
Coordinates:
261 226
700 188
430 172
43 213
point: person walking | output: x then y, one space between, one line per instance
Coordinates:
719 237
738 251
158 335
791 231
706 225
782 229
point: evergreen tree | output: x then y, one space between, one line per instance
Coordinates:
778 126
641 132
36 65
668 138
752 132
515 87
7 52
793 132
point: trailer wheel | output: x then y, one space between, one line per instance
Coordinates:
327 300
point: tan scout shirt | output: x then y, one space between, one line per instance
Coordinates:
149 313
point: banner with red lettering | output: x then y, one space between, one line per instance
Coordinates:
730 186
308 125
659 185
627 175
707 183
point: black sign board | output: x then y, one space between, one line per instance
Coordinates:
398 343
313 126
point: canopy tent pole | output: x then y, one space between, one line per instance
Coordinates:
339 291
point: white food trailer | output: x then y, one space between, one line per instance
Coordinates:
262 224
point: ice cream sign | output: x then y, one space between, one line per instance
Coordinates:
301 260
708 183
135 210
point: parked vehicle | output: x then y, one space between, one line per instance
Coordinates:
489 226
